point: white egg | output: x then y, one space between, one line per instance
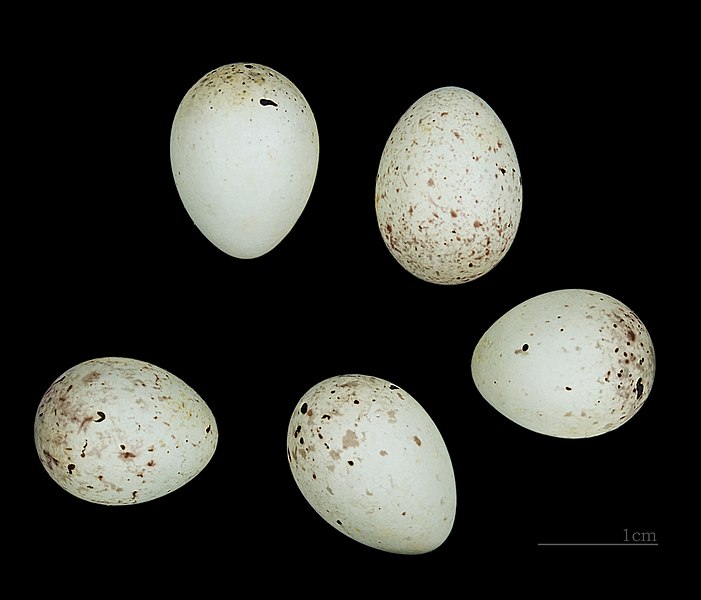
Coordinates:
244 151
122 431
370 461
448 189
569 363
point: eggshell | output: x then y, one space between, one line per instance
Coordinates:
369 459
244 151
569 363
448 189
122 431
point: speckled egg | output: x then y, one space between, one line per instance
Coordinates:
448 189
370 461
244 151
121 431
569 363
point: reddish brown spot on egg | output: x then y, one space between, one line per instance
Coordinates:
91 377
477 224
50 460
350 439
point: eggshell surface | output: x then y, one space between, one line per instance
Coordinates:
244 151
448 189
372 463
122 431
569 363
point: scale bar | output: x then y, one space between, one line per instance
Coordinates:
598 544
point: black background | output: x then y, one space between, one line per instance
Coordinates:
112 266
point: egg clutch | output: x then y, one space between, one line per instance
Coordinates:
367 457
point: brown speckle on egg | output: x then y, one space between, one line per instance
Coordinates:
350 440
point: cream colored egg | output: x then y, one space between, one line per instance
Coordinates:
122 431
372 463
244 151
569 363
448 189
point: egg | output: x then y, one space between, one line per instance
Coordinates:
448 188
244 151
121 431
371 462
570 363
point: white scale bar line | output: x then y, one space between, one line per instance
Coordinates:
599 544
